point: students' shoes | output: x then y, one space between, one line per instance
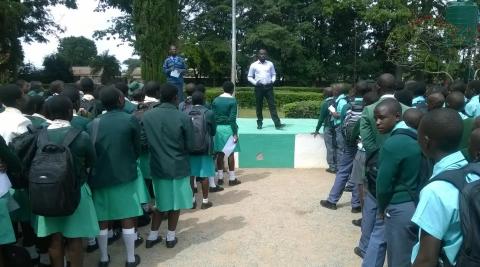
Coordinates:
206 205
104 263
133 264
139 241
280 126
327 204
172 244
220 182
215 189
348 189
234 182
151 243
194 205
116 235
357 222
331 170
259 126
357 210
358 252
92 248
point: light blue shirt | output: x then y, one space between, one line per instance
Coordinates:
341 101
437 212
463 116
472 109
418 99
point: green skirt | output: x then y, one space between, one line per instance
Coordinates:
24 213
7 235
144 163
142 190
221 137
202 166
117 202
82 223
172 194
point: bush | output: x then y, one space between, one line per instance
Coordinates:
302 110
246 98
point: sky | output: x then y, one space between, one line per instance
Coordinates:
78 22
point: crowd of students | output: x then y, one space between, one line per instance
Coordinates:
415 152
128 145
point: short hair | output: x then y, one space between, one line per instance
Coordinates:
445 127
138 95
200 87
74 95
405 97
386 82
420 89
391 104
412 117
370 98
436 99
58 107
168 93
474 86
34 104
110 96
87 85
361 88
458 86
198 98
190 89
438 89
152 89
9 94
123 87
57 86
399 85
228 87
456 100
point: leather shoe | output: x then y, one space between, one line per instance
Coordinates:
357 210
348 189
358 252
104 263
357 222
220 182
234 182
327 204
92 248
206 205
151 243
171 244
259 127
215 189
139 241
280 126
133 264
115 237
331 170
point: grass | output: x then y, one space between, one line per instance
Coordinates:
250 113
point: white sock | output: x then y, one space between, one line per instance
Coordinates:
195 182
129 237
205 201
170 235
220 175
32 250
211 182
92 241
153 235
45 258
231 175
102 240
110 233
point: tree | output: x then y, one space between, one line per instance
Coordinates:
78 51
108 65
132 64
57 68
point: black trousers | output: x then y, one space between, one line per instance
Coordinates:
266 91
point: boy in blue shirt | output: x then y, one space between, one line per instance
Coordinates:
437 213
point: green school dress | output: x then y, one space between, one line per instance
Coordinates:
223 134
202 166
142 190
144 163
225 109
24 213
7 235
172 194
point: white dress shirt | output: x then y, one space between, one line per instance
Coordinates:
262 73
13 124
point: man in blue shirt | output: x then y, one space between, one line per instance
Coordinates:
437 213
175 68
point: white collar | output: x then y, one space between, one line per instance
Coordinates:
12 110
57 124
260 62
226 95
88 97
39 116
387 96
150 99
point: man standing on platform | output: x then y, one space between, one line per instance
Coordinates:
262 75
175 68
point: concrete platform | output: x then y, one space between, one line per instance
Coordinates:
291 147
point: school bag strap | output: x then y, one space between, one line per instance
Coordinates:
95 125
458 177
70 136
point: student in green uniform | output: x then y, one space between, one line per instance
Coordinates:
399 167
83 222
129 107
202 166
116 136
170 136
474 147
225 109
412 117
78 122
456 101
33 110
9 161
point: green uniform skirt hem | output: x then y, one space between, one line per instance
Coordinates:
202 166
221 137
24 213
142 190
7 235
172 194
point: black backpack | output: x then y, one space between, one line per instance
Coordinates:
371 171
15 256
469 212
53 186
202 139
351 123
186 106
24 146
141 109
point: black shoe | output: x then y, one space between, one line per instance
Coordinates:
280 126
92 248
358 252
139 241
331 170
151 243
348 189
259 127
194 205
234 182
357 210
220 182
116 235
327 204
103 263
133 264
357 222
215 189
206 205
171 244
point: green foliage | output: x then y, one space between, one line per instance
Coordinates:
108 65
132 64
57 68
78 51
302 110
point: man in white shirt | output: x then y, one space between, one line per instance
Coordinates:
13 121
262 75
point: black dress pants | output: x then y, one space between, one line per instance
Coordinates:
266 91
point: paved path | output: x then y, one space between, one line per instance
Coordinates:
272 219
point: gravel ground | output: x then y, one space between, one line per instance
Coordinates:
272 219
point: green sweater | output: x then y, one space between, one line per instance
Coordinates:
225 109
170 137
80 122
399 165
324 114
117 147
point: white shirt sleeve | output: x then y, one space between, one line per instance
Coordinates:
273 73
251 75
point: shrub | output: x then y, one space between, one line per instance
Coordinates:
302 110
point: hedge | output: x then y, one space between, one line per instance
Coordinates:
247 98
302 110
